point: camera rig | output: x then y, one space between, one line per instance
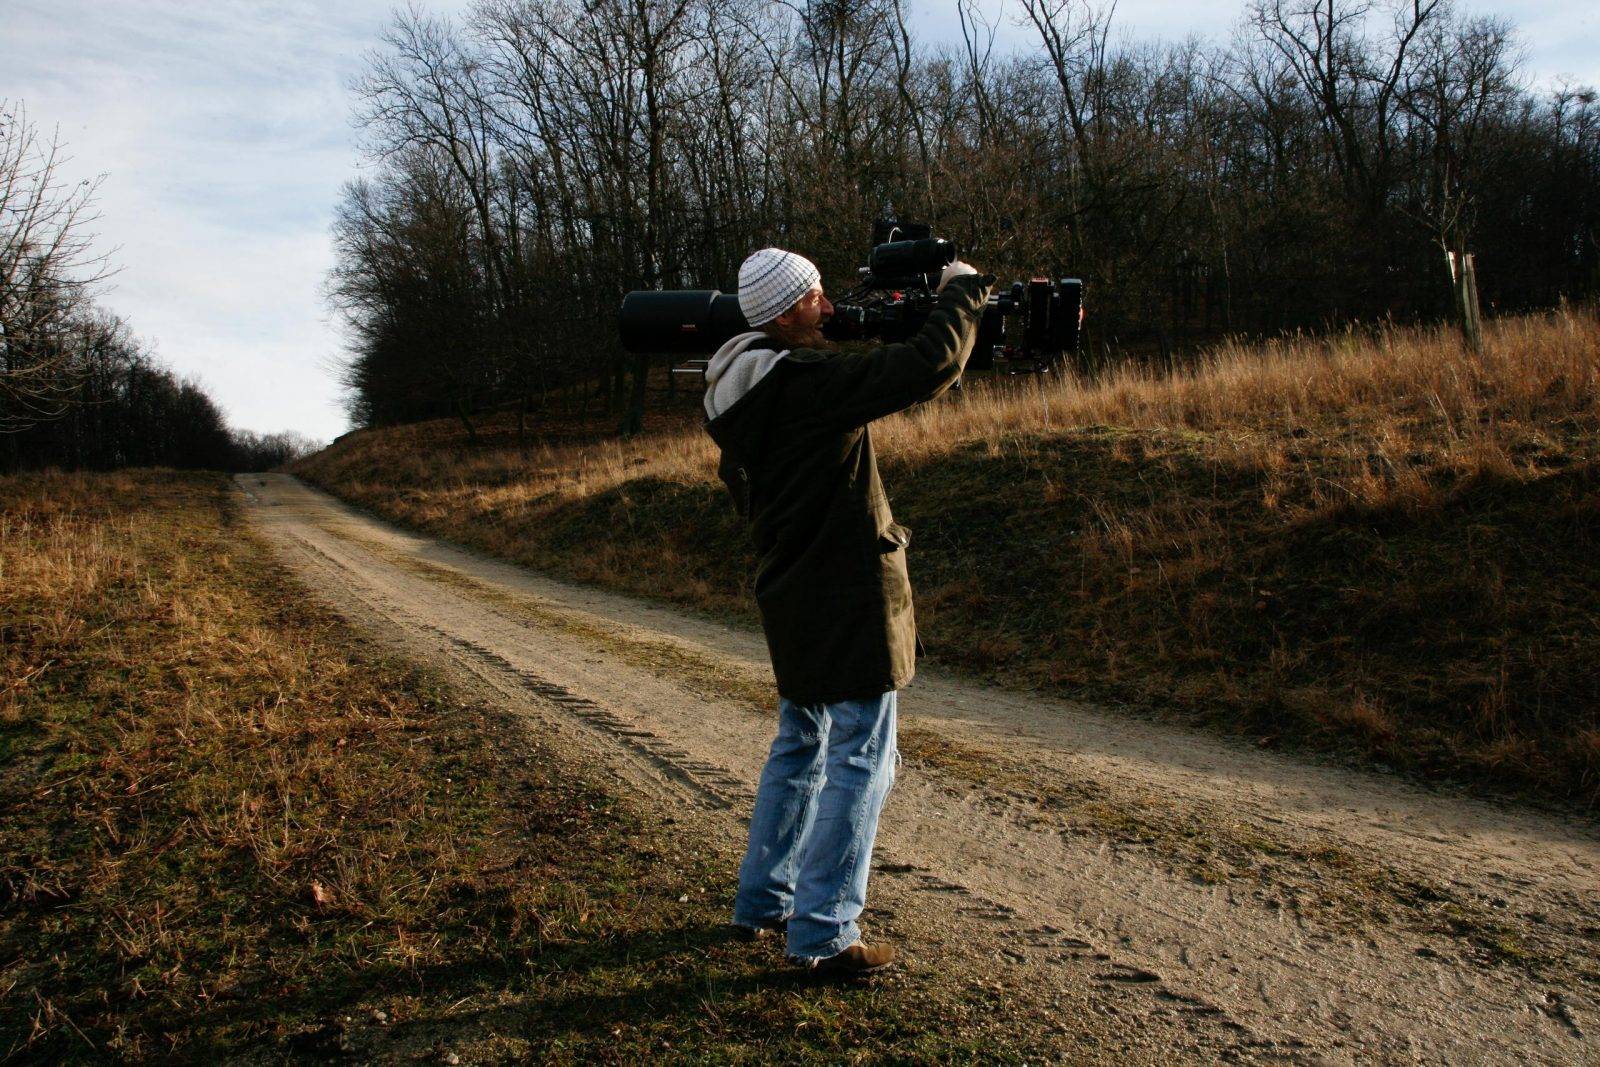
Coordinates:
1030 327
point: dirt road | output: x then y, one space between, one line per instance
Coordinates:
1210 900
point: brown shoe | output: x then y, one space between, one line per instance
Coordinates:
859 958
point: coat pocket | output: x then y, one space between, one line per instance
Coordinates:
894 580
892 537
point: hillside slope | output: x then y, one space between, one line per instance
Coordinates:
1376 544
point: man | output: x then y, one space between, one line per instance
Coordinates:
791 418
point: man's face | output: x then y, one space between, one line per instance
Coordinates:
802 323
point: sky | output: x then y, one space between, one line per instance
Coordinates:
222 129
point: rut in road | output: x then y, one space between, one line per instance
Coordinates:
1221 901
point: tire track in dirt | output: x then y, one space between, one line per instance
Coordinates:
998 886
1149 1023
712 784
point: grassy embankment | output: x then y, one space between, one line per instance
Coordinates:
233 829
1374 544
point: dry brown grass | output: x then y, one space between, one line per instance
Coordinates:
1355 540
1386 412
233 832
205 809
1404 400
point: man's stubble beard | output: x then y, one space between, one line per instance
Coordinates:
792 338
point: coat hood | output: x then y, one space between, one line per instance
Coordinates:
738 365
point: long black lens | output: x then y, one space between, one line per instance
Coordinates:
898 259
679 320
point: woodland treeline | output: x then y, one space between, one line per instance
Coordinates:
536 160
78 390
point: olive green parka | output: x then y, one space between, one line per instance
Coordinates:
797 456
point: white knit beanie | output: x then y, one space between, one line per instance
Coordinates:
771 280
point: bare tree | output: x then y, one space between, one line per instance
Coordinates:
597 146
47 268
1354 76
1458 80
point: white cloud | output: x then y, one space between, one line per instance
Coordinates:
223 131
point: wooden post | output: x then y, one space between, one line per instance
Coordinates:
1469 285
1464 289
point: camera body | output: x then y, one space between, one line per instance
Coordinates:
1030 327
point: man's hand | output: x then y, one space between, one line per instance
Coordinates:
955 270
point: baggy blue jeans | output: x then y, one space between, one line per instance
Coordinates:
816 817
